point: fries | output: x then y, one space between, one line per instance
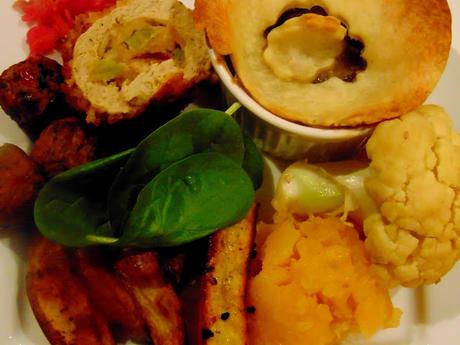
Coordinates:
156 298
75 304
109 295
60 302
223 309
173 267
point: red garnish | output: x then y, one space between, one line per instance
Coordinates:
41 39
51 20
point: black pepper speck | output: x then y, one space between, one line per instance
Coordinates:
251 310
207 333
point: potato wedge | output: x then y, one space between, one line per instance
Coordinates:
223 307
60 301
109 295
156 298
172 266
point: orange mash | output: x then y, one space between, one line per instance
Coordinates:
315 286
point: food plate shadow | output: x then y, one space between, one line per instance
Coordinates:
26 329
440 303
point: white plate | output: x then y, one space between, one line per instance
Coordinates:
431 315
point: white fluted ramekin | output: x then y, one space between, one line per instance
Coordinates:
282 138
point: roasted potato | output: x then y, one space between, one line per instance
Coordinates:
173 267
223 307
60 301
156 298
109 295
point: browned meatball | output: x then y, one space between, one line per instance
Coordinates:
64 144
19 178
30 92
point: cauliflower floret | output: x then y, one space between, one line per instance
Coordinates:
415 182
407 197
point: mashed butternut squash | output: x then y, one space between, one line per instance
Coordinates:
315 286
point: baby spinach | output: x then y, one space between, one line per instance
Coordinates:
190 177
71 208
200 130
253 162
189 200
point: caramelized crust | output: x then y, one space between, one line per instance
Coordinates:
212 16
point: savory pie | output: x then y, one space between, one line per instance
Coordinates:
332 62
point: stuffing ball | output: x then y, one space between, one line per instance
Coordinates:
30 92
64 144
19 179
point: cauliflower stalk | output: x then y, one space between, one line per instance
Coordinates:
407 197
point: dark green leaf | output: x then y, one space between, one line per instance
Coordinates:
73 205
201 130
253 162
189 200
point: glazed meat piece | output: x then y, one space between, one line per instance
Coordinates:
30 92
64 144
19 178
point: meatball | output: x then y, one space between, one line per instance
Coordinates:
30 92
64 144
19 179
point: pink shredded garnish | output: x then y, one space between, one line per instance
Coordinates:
51 20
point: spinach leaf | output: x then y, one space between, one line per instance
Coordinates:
200 130
189 200
186 180
253 162
71 209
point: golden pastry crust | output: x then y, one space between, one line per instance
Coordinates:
118 62
212 16
406 47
